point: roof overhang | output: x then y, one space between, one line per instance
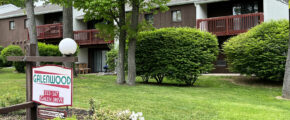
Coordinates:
207 1
41 10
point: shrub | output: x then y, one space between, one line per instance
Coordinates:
112 56
261 51
178 53
1 48
13 50
48 50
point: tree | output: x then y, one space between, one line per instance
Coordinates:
114 11
109 11
286 83
31 24
139 6
67 23
132 42
122 43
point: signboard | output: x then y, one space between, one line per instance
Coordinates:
48 113
52 85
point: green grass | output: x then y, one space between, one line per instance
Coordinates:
213 98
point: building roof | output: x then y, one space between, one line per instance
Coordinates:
8 8
50 8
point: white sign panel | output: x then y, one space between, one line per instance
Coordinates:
52 85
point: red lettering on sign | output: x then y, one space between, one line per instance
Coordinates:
51 96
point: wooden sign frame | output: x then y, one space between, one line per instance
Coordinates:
31 59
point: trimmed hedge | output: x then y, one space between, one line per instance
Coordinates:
48 50
181 54
13 50
261 51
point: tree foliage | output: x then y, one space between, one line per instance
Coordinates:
18 3
178 53
261 51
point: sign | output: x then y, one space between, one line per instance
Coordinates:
48 113
52 85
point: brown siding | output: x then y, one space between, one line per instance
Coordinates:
164 19
8 36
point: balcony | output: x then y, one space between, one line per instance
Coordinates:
49 31
83 37
230 25
89 37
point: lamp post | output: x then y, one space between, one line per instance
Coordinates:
67 47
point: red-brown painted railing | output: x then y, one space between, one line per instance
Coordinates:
89 37
49 31
230 25
83 37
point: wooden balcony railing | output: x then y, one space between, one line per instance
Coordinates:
83 37
89 37
230 25
49 31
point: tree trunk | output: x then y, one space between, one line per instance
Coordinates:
32 25
122 44
286 83
132 43
68 29
31 113
68 22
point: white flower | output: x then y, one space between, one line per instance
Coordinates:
141 118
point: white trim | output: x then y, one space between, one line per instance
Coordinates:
207 1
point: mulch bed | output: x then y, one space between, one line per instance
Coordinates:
20 115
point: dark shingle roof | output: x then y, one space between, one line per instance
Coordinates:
50 8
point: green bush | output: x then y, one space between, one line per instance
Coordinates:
181 54
1 48
112 56
13 50
261 51
48 50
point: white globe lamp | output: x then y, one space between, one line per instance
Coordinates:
67 46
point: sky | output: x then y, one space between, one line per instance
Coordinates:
39 3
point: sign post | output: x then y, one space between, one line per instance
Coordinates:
54 93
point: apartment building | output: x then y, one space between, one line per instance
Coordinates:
49 30
224 18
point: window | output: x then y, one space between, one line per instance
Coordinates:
11 25
149 18
176 16
25 23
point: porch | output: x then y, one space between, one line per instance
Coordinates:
230 25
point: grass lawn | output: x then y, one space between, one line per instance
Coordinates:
213 98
